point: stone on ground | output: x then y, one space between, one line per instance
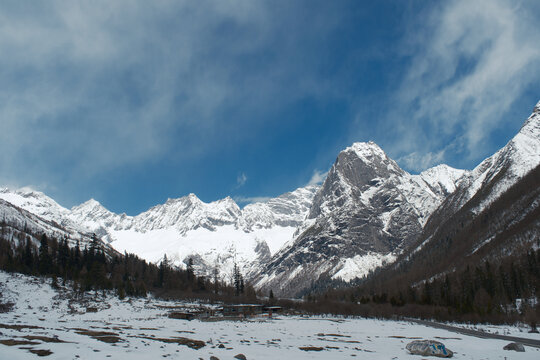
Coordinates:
429 348
515 346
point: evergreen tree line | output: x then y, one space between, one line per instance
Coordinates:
483 292
95 267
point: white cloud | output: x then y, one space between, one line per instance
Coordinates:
470 63
241 180
318 177
94 87
251 199
418 162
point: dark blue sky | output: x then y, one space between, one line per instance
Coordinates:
131 103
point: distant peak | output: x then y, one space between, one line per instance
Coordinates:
443 173
227 202
537 108
190 198
438 167
193 198
441 168
26 190
92 202
89 204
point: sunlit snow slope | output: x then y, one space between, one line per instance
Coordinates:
213 234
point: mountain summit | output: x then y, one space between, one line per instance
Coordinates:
367 213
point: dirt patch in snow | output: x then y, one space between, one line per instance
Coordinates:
44 339
14 342
104 336
40 352
194 344
311 348
19 327
334 335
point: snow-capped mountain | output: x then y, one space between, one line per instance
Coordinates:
18 224
491 179
36 203
214 234
47 215
369 212
366 213
493 214
364 181
504 168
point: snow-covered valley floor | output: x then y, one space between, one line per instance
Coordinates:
48 321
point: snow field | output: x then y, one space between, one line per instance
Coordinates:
141 326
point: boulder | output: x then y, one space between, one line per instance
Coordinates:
515 346
429 348
240 357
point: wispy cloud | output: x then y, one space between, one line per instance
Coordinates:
251 199
318 177
241 180
417 161
94 87
469 63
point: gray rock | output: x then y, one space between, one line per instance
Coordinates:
429 348
515 346
345 221
240 357
214 358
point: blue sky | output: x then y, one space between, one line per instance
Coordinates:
134 102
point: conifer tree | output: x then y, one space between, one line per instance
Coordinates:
45 263
190 271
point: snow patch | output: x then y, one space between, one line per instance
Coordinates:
360 265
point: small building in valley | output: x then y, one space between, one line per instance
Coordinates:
242 310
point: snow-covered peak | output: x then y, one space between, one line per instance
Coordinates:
522 153
527 140
91 209
504 168
188 200
288 210
227 202
367 151
361 162
88 205
35 202
442 178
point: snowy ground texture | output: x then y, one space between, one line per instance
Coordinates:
47 321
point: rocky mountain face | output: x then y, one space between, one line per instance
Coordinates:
189 213
367 212
215 234
18 224
493 176
494 212
29 212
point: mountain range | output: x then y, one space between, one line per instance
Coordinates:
368 213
